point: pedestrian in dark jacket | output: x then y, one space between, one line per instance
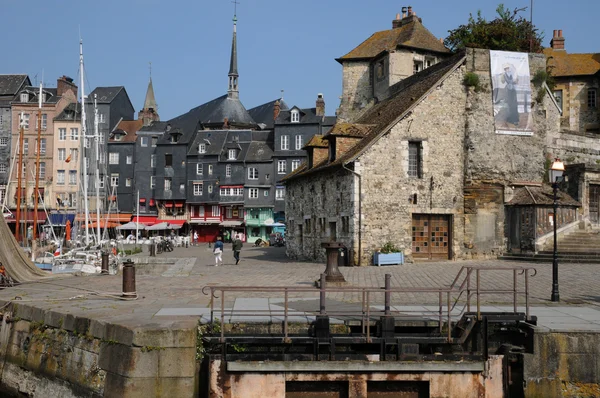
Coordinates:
237 247
218 251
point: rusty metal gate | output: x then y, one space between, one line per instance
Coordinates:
595 203
431 236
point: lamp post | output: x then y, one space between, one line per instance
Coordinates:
556 176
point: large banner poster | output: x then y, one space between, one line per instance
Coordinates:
511 93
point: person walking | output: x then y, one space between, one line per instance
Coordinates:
218 252
237 247
195 238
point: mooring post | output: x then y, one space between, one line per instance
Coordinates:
129 279
104 268
322 298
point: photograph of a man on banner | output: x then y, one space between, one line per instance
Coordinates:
511 92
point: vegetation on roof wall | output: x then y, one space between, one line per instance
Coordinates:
509 31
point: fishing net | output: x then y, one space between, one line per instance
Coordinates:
18 265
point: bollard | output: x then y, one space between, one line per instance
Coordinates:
129 279
104 267
388 285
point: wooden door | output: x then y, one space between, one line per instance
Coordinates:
595 204
431 236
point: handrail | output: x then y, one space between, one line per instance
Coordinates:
366 313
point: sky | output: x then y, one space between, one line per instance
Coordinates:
282 45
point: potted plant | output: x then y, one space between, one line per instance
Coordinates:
388 254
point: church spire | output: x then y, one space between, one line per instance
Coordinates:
149 113
232 91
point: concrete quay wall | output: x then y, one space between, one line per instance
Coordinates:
44 353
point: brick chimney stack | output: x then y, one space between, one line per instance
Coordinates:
396 23
276 109
558 41
64 84
320 110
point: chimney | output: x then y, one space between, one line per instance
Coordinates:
558 41
276 109
320 110
403 12
396 23
63 84
410 12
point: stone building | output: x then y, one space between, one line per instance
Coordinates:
10 87
423 169
387 57
577 78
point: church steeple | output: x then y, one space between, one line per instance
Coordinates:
149 114
232 91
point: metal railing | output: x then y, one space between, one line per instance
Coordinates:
462 291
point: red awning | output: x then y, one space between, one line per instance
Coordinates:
145 219
151 202
142 200
178 204
168 204
174 222
121 217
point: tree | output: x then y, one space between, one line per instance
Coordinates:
508 32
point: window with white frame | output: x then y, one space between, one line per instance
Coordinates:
197 189
415 159
295 116
210 169
299 142
210 188
74 154
281 166
72 177
228 170
143 141
154 140
62 154
101 183
25 120
74 134
4 141
42 169
101 118
252 173
42 146
253 193
168 182
25 146
182 187
87 163
86 142
24 97
152 161
152 182
44 122
129 159
128 182
285 142
113 158
232 154
202 148
60 177
114 180
295 164
216 211
199 169
266 192
280 193
3 168
62 134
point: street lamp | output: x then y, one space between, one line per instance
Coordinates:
556 176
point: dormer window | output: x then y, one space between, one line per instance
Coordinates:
202 148
24 97
232 154
295 116
174 138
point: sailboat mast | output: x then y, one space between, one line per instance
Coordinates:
37 167
19 179
84 139
137 224
97 142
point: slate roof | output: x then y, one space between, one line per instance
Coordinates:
411 34
565 64
105 94
129 127
259 151
381 117
154 127
10 84
264 113
307 115
214 140
72 112
34 91
541 196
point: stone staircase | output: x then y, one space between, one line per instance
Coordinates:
576 247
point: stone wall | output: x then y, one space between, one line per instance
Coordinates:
387 189
319 208
357 91
49 354
577 116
